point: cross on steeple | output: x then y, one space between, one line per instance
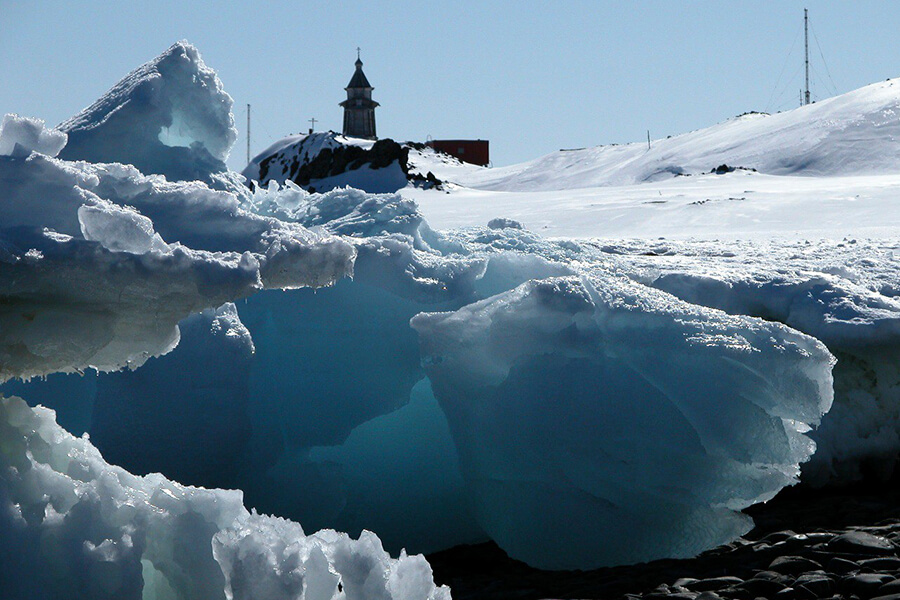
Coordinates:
357 52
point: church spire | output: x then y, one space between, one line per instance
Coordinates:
359 108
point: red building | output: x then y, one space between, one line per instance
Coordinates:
471 151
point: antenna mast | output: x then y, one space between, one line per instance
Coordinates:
248 134
806 46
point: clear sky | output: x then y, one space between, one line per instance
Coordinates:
531 77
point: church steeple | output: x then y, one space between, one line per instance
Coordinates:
359 108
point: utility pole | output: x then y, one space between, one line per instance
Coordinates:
648 139
806 47
248 134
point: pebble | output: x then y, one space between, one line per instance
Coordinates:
820 584
842 566
884 563
824 561
792 565
762 587
864 584
713 584
862 543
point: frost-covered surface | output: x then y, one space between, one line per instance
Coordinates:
169 116
74 526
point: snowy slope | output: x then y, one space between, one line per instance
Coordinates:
741 205
852 134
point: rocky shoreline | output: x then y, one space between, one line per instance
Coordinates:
807 544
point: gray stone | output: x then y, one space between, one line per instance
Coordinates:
772 576
860 542
793 565
883 563
864 584
818 583
762 587
842 566
779 536
713 584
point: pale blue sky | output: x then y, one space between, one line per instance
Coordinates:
532 77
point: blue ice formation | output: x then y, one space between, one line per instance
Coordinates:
541 381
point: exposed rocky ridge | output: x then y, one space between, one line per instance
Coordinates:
311 160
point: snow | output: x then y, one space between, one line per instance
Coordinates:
83 528
850 134
170 116
99 263
324 159
304 147
20 136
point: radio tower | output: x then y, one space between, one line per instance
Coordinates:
806 48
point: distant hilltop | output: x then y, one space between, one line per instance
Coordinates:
857 133
320 162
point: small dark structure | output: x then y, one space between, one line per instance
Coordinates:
471 151
359 108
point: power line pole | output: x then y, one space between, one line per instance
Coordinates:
248 134
806 44
648 139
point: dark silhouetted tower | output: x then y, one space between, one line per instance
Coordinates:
359 108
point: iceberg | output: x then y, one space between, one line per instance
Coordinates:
99 263
600 423
74 526
348 367
170 116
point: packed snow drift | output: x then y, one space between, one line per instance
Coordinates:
582 402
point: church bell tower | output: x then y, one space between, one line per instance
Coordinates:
359 108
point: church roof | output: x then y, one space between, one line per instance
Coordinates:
359 78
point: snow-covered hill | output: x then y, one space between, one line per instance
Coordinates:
857 133
830 169
325 161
